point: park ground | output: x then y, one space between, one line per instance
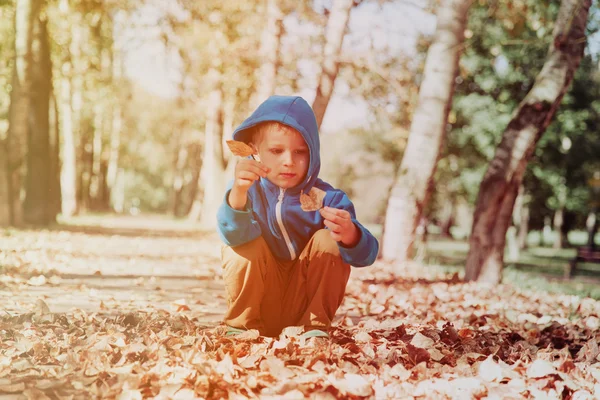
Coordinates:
129 308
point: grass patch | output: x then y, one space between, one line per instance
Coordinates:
539 268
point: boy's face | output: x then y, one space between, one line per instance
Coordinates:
285 152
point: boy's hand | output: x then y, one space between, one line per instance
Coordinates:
341 226
247 171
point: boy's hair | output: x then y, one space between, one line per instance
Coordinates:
257 132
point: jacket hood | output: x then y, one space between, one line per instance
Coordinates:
295 112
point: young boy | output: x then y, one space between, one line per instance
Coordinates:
283 266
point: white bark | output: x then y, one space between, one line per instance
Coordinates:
413 185
334 37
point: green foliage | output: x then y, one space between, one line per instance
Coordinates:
506 46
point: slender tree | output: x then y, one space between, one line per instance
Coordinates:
334 37
504 175
212 179
413 185
37 206
270 45
27 13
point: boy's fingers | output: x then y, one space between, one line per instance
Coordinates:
259 165
333 226
255 169
340 213
328 215
248 175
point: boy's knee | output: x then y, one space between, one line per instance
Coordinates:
323 242
250 251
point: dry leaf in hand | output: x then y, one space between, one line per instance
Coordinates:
240 149
313 201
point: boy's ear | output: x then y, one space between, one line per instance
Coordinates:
254 148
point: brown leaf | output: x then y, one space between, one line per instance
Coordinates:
240 149
417 355
313 201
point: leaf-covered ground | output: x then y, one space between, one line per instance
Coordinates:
132 316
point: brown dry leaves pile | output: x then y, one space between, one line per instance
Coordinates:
395 338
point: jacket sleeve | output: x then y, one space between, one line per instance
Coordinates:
236 227
366 250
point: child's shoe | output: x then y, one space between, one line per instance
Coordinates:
315 333
231 331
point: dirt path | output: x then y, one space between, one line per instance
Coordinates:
102 269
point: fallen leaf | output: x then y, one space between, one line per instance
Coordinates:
540 368
39 280
352 384
490 371
421 341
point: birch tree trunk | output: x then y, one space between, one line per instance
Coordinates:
4 199
413 185
115 129
523 227
55 192
558 228
504 175
97 150
212 182
70 106
179 163
334 37
37 205
27 12
271 43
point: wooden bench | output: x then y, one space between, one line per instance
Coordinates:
584 254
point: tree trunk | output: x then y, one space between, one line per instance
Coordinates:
68 171
55 192
523 228
271 43
38 202
195 156
505 172
179 164
213 168
115 144
97 150
560 233
4 200
546 232
334 36
26 13
413 186
86 160
448 218
115 129
520 218
591 224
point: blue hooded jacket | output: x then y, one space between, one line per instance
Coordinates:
287 238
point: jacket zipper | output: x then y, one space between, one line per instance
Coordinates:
286 237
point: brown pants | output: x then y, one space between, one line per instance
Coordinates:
267 294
